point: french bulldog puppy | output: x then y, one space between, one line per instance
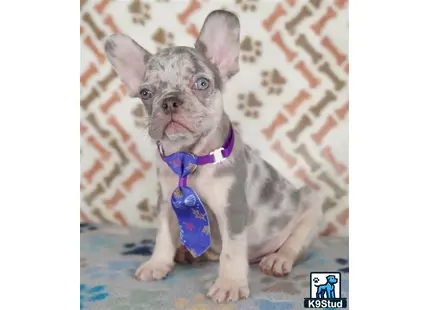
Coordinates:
256 215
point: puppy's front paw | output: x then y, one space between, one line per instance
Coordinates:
276 264
152 270
228 290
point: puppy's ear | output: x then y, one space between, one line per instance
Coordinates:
219 41
128 60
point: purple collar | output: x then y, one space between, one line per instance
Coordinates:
214 157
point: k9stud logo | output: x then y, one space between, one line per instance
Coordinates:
325 291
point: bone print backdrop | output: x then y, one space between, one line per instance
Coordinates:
289 101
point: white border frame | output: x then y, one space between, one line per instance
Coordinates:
39 127
389 154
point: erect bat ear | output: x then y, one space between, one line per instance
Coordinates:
128 59
219 41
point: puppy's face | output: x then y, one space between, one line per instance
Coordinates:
181 87
181 90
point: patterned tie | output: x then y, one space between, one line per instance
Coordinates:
191 214
189 209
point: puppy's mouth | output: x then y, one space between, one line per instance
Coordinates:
175 127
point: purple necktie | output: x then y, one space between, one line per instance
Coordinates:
191 214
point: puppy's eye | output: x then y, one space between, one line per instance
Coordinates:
201 84
145 94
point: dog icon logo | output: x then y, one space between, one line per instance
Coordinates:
325 291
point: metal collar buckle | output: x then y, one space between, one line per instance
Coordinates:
218 155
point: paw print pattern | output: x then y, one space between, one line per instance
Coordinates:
343 262
249 104
92 294
247 5
144 248
273 81
250 49
87 227
163 39
147 212
140 11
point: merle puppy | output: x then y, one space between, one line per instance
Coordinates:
255 214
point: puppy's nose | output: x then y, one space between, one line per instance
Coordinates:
171 105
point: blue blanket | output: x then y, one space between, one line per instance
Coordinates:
111 254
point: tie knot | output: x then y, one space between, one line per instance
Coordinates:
181 163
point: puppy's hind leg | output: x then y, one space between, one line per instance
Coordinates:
305 231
